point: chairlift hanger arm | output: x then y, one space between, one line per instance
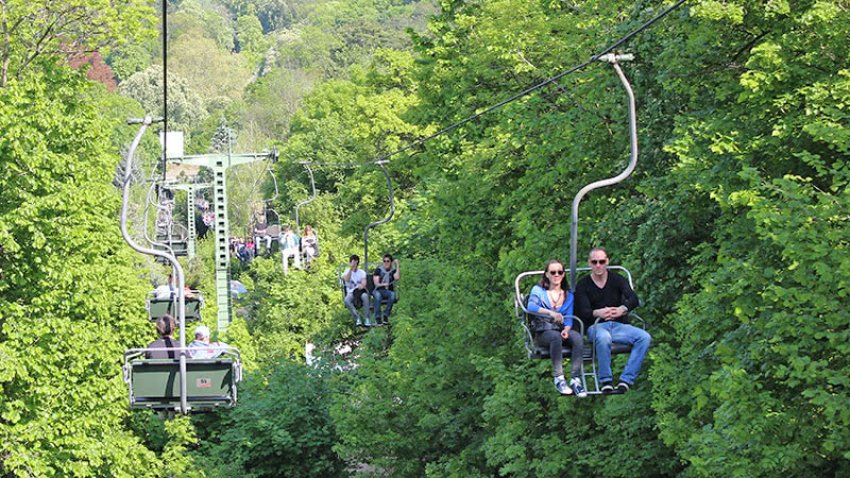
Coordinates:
309 199
382 165
175 264
614 61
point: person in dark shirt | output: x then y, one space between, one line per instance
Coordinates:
384 279
164 327
609 298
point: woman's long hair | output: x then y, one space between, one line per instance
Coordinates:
544 281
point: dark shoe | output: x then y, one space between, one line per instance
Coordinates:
606 387
623 387
578 390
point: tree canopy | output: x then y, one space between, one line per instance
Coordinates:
735 226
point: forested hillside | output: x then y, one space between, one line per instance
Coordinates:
735 226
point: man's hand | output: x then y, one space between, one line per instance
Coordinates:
617 312
607 313
565 334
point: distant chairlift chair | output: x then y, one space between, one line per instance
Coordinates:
370 284
160 307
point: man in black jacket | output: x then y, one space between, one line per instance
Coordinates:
609 298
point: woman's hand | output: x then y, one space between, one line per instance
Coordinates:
565 334
557 318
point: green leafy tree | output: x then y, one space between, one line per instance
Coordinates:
70 294
185 107
32 30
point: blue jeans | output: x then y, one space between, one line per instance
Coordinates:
378 294
602 335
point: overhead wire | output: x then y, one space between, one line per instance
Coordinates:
526 91
164 88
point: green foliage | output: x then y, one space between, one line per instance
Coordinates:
735 226
70 296
34 30
283 428
185 107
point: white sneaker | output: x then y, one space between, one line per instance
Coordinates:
561 386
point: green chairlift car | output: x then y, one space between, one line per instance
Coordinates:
158 307
179 383
155 383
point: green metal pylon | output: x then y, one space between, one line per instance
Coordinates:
219 163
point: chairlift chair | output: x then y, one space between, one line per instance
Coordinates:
370 286
159 307
155 383
520 300
180 384
534 351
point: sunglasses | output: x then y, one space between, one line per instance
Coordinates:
600 261
387 260
557 273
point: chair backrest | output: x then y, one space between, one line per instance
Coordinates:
155 383
159 307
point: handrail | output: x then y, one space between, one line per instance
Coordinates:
382 221
175 264
613 59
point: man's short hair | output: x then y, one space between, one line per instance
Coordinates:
388 256
202 331
354 257
597 249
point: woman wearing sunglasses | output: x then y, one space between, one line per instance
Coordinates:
551 307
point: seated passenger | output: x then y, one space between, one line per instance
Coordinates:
354 279
309 244
384 279
551 305
164 327
168 291
608 297
201 348
261 234
290 246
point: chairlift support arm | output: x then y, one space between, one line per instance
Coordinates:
381 164
614 61
308 200
175 264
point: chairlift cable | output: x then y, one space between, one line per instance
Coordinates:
164 89
527 91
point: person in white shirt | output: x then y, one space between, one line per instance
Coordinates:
354 279
168 291
201 348
290 244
